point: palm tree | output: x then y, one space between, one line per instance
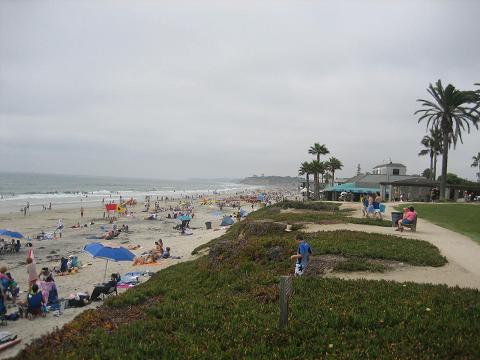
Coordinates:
305 170
317 167
433 148
451 111
476 163
318 150
332 165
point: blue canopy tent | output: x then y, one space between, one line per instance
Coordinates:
109 252
12 234
243 213
226 221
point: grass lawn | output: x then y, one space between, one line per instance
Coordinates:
225 305
462 218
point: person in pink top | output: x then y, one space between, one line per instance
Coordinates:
408 218
32 272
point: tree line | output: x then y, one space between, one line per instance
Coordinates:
448 114
322 171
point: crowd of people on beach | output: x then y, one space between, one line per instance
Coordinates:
40 294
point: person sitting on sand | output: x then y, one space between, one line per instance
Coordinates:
49 290
12 288
104 288
166 253
159 247
34 304
4 280
44 274
63 265
409 216
147 258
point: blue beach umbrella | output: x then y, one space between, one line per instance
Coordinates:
109 252
13 234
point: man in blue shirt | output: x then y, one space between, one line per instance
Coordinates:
302 255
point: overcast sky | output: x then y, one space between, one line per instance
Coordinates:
176 89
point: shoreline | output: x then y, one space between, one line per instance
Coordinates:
66 201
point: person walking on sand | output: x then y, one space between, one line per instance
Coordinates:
81 211
32 272
303 252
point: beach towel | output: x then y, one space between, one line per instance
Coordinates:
150 264
139 273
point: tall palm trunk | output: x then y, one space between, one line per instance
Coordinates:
315 189
443 183
317 182
431 165
333 177
434 166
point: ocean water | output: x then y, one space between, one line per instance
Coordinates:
16 189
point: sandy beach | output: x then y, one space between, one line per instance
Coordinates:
48 253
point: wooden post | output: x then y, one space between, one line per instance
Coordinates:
285 292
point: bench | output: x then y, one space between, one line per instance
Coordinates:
413 226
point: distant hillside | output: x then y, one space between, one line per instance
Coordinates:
271 180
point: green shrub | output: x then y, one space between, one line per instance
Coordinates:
376 246
308 205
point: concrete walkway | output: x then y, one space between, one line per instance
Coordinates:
462 253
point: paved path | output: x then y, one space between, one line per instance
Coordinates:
462 253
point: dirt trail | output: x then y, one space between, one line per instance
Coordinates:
462 253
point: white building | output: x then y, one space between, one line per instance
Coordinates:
390 169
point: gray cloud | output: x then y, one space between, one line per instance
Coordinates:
179 89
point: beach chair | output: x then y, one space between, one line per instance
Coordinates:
112 290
